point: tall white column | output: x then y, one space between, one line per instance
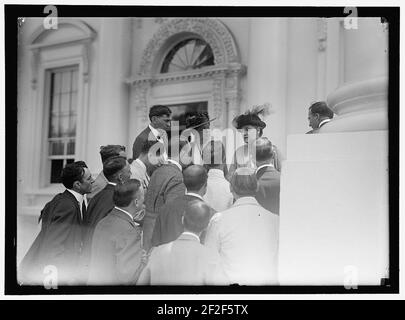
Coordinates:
361 103
267 74
110 95
334 185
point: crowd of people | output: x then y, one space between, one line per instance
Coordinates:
176 213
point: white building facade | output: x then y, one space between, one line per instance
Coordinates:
91 81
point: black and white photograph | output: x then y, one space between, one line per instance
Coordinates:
231 150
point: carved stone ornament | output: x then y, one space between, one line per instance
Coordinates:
36 45
225 72
211 30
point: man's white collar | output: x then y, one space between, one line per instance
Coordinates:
191 234
79 197
264 166
155 131
323 122
139 161
194 195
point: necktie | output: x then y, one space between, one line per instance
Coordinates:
84 210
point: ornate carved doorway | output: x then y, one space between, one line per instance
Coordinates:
189 61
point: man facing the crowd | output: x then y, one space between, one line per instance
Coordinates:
319 114
160 120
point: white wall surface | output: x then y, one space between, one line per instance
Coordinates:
336 227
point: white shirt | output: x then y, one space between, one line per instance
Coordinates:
138 171
196 150
218 195
159 138
141 164
246 238
156 133
243 158
80 198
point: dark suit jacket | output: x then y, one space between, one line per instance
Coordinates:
116 250
168 225
139 142
165 185
99 207
58 243
317 129
268 194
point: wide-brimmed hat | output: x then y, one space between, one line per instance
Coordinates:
250 117
197 119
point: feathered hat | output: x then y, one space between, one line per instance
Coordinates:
197 119
251 117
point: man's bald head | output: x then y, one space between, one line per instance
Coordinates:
195 177
197 215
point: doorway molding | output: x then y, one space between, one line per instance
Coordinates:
224 76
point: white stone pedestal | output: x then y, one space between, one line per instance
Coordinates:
334 209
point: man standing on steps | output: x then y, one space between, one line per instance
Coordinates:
160 120
319 114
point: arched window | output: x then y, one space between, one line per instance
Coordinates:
187 55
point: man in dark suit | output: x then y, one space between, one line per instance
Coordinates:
319 114
147 162
166 184
268 178
59 242
117 241
117 171
106 152
185 261
169 226
160 119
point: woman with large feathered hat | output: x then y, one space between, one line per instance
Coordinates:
251 126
